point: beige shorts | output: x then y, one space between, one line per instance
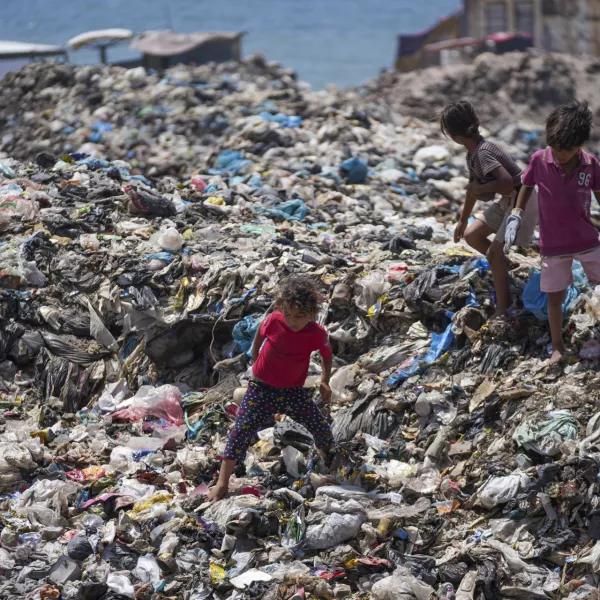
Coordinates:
498 211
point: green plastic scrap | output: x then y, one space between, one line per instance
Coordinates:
546 437
7 171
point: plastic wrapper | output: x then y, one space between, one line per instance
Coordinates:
162 402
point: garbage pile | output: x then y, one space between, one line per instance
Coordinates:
513 93
466 466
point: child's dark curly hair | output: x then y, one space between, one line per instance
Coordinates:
459 118
299 292
569 126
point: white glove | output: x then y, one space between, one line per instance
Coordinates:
513 223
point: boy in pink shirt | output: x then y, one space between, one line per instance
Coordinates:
565 176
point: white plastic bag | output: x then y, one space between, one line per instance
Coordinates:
171 240
147 570
499 490
120 584
333 530
369 289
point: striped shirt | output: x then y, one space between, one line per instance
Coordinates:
484 160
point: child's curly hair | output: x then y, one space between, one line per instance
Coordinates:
299 292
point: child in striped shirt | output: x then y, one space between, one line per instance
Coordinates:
494 178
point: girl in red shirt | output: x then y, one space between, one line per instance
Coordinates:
281 353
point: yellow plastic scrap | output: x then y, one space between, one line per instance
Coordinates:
188 235
42 435
458 252
179 297
376 308
146 503
217 574
216 200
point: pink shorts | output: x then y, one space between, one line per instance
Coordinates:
557 274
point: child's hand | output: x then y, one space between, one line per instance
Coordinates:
325 392
459 230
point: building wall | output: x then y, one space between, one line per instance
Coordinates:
558 25
573 27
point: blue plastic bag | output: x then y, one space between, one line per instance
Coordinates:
244 333
354 170
165 256
283 120
440 342
536 301
292 210
229 162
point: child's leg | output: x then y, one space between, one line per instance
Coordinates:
556 277
253 413
555 316
299 405
497 260
476 235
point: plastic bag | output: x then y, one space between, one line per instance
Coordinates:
17 206
333 530
292 210
244 333
500 490
163 402
397 273
120 585
340 380
295 530
536 301
354 170
592 305
147 570
89 241
192 460
402 585
171 240
369 289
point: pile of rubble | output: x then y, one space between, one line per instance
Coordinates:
513 93
137 258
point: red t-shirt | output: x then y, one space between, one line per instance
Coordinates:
285 355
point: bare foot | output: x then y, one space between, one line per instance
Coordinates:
557 356
217 493
499 313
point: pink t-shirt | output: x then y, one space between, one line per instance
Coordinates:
564 201
285 356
